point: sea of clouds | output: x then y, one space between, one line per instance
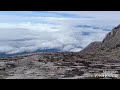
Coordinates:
64 31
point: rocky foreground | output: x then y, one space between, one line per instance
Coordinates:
93 60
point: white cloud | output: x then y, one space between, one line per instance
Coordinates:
58 33
39 36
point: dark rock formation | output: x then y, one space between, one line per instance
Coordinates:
10 64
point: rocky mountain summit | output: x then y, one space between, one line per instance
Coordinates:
96 58
110 43
112 40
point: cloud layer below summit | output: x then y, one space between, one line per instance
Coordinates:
66 31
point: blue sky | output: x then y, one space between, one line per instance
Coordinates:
40 13
22 31
24 16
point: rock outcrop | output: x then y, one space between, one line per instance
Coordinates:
92 48
112 39
110 43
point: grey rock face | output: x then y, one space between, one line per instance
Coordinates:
111 43
91 48
112 39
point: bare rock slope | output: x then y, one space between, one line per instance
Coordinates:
94 59
112 40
